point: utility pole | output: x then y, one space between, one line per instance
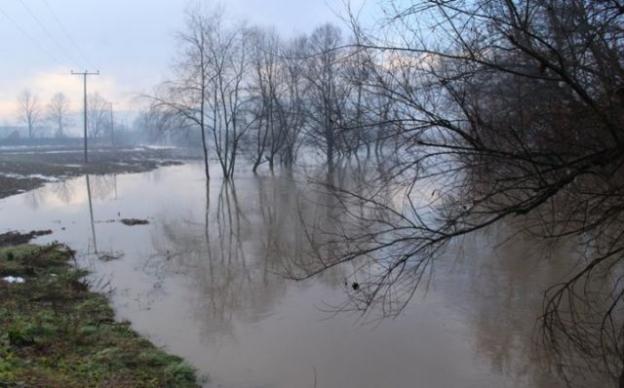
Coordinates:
84 75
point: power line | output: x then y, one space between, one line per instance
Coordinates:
29 37
48 33
71 40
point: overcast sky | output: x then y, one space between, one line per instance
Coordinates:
129 41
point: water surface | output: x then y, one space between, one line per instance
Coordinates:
205 280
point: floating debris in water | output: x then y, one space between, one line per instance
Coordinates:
110 256
133 221
14 279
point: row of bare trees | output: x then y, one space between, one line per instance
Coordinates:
245 90
34 115
57 114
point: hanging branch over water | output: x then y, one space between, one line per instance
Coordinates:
504 111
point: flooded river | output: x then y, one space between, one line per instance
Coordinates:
208 286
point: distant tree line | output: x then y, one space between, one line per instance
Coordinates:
54 118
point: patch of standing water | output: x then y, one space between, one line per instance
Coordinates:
206 285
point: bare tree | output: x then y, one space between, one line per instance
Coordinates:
58 113
292 110
157 124
99 123
208 89
187 96
30 111
277 98
355 77
327 95
266 94
227 64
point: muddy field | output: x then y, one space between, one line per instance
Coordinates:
23 169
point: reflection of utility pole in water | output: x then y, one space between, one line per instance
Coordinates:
91 214
115 185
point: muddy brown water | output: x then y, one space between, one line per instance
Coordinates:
207 286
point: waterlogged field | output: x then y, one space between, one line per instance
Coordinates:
204 278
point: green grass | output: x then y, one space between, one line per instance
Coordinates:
54 332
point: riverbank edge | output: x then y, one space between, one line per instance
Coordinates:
56 332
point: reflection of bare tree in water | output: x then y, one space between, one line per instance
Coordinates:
239 250
34 198
104 186
63 190
225 279
353 227
232 254
498 288
393 229
101 187
287 211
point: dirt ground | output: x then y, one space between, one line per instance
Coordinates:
16 238
24 169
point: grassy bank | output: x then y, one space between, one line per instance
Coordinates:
54 332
